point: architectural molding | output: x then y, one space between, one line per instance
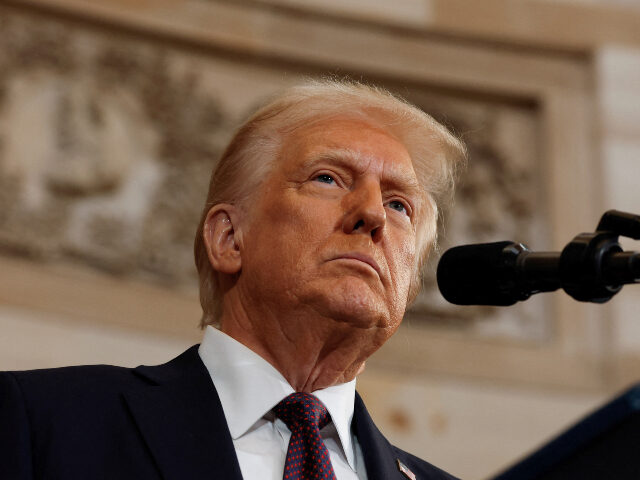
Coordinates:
573 27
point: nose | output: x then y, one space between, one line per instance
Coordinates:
365 211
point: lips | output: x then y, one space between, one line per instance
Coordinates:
361 258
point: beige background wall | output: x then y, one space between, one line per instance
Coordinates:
112 112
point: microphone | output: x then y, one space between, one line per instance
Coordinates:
503 273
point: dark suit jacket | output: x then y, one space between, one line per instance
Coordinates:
160 422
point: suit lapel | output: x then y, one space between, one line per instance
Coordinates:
379 457
181 419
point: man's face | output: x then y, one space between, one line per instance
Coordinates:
333 228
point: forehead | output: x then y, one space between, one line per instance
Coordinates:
357 143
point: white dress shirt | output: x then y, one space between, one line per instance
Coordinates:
249 387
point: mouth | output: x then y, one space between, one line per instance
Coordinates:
363 259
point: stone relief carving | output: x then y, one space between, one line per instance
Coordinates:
107 143
105 151
499 197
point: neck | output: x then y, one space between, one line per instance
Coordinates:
311 351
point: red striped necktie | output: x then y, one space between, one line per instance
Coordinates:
307 455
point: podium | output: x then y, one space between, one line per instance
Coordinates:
603 446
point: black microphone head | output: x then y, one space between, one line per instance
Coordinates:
480 274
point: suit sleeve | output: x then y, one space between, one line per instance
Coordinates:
15 437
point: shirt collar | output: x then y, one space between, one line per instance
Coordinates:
339 400
249 387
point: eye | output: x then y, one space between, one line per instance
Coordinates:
325 178
398 206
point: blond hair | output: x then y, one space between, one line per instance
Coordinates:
435 152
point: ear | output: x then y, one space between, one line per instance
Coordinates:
222 238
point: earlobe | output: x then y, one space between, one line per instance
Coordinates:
222 239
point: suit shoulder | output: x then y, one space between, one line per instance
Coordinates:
421 468
96 381
67 386
84 376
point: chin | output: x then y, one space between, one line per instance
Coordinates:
356 304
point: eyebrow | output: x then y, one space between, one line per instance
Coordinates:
352 160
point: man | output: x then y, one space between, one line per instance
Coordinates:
319 217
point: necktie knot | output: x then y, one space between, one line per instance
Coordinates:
307 455
300 410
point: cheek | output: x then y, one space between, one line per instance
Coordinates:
404 262
293 227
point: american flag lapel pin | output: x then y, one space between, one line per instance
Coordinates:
405 470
